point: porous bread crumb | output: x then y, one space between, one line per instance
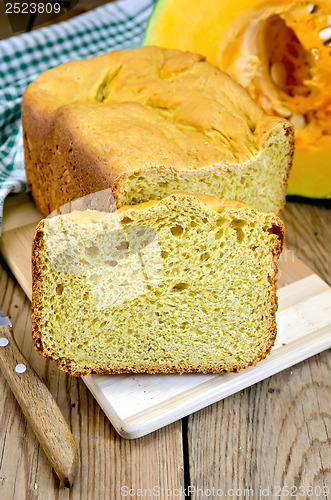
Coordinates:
148 122
186 284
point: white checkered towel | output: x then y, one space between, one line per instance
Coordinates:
119 25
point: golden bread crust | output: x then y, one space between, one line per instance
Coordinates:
37 287
90 124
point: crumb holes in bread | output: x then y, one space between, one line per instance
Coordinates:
220 222
122 246
237 225
93 251
164 254
177 230
275 230
204 256
112 263
126 220
59 289
179 287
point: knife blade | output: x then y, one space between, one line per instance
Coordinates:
38 405
4 320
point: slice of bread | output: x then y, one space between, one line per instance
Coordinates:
146 123
185 284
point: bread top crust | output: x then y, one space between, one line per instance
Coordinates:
151 107
205 202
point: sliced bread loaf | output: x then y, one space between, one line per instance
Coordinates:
148 122
185 284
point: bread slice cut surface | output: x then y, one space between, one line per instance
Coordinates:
185 284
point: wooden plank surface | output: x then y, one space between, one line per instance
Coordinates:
275 433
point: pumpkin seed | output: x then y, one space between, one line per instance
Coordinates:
325 34
282 111
311 7
298 120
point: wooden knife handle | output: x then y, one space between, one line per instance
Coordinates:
40 408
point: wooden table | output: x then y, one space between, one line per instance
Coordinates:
272 435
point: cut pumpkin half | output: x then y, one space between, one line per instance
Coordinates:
280 51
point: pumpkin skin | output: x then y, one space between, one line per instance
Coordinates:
280 51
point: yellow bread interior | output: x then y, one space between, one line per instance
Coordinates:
146 123
183 284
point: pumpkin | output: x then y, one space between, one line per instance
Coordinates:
280 51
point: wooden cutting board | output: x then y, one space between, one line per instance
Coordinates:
139 404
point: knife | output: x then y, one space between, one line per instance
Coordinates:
38 405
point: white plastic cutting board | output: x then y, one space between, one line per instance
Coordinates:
139 404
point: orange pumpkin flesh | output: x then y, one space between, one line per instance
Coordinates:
280 51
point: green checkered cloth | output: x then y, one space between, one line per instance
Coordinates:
118 25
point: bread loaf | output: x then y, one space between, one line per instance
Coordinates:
148 122
185 284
